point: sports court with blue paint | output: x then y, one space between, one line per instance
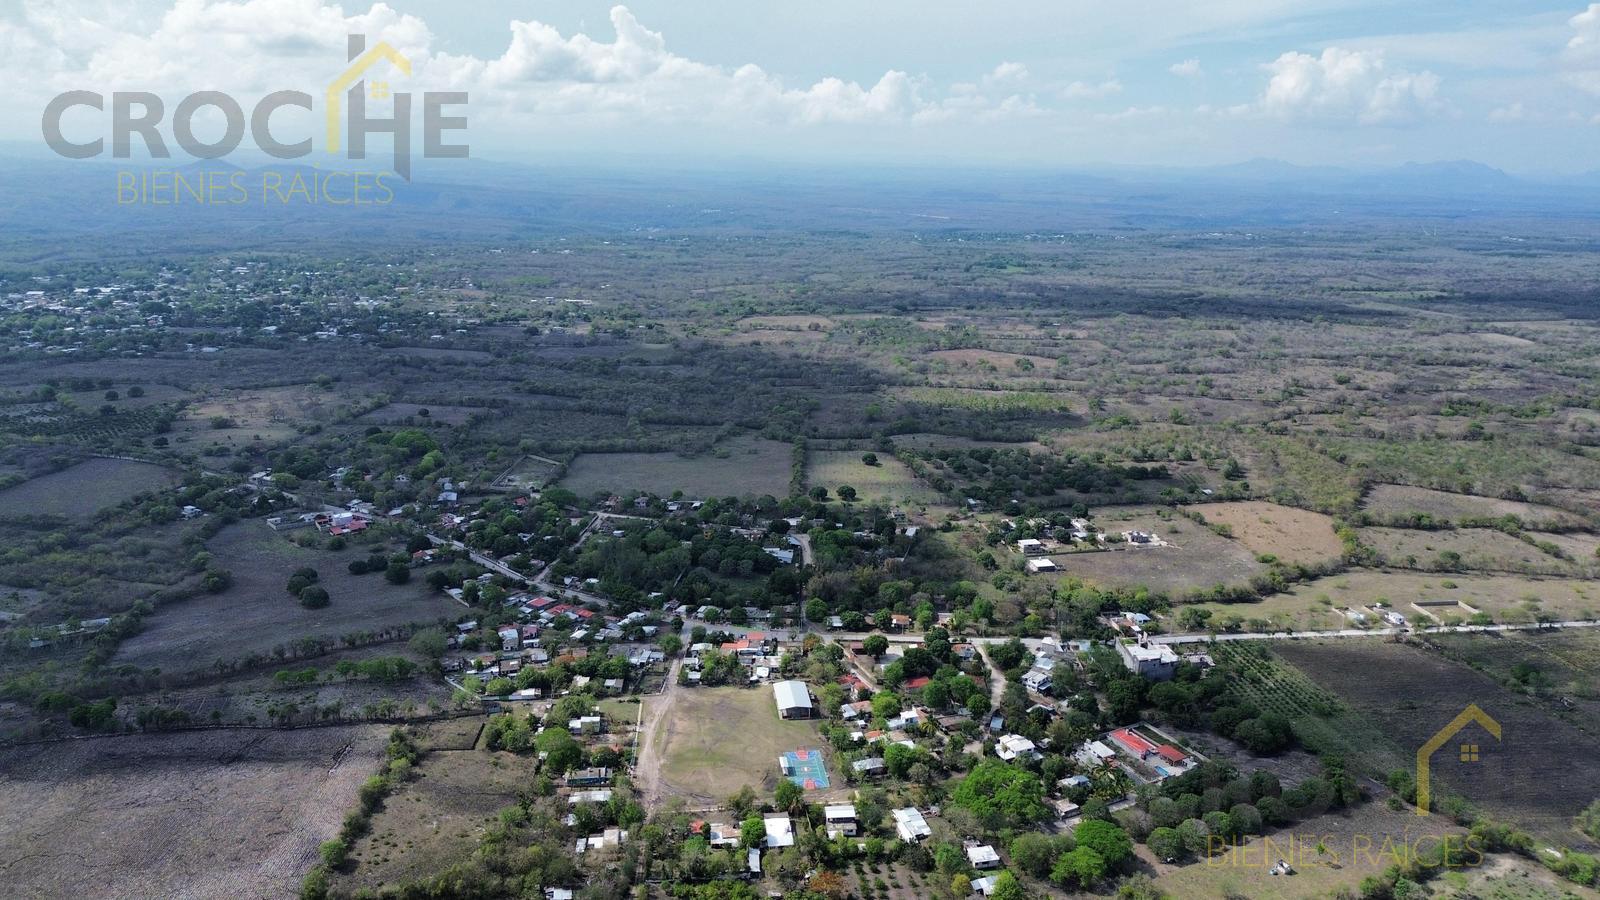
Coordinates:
805 768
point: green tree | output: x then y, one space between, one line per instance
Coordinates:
314 597
1007 887
789 796
847 493
1001 794
870 459
1109 841
753 832
876 645
1078 868
1166 844
397 572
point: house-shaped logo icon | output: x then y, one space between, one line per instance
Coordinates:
1469 752
360 63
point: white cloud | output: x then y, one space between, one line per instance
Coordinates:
1189 68
1581 56
248 47
1083 90
1508 114
1346 84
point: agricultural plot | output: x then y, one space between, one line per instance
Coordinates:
1321 720
1387 502
707 764
1194 558
889 481
1292 535
1481 549
1536 774
447 354
256 614
1559 668
749 466
79 491
1508 599
226 813
528 473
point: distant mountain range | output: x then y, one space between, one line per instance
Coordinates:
45 201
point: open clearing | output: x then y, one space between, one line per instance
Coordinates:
1509 599
399 412
752 466
1562 668
1484 549
257 415
1292 535
438 816
1389 500
256 613
1356 847
226 813
1195 557
890 480
1539 774
78 491
719 739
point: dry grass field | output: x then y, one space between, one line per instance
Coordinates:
258 415
1292 535
716 740
1358 843
1195 557
1507 598
890 481
227 813
736 468
399 412
79 491
1387 500
437 817
256 613
1482 549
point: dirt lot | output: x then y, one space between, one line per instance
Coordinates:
1386 500
78 491
890 480
1292 535
745 466
256 613
438 817
1539 774
1195 557
191 815
707 764
1565 667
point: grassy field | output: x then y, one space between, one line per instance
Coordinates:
78 491
235 813
1483 549
1292 535
890 481
438 817
707 764
1195 557
1535 774
256 613
1389 500
258 416
399 412
1357 843
745 466
1507 598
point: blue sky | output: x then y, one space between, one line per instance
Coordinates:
1005 82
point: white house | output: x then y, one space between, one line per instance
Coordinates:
910 825
794 699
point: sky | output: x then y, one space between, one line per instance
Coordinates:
1055 83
